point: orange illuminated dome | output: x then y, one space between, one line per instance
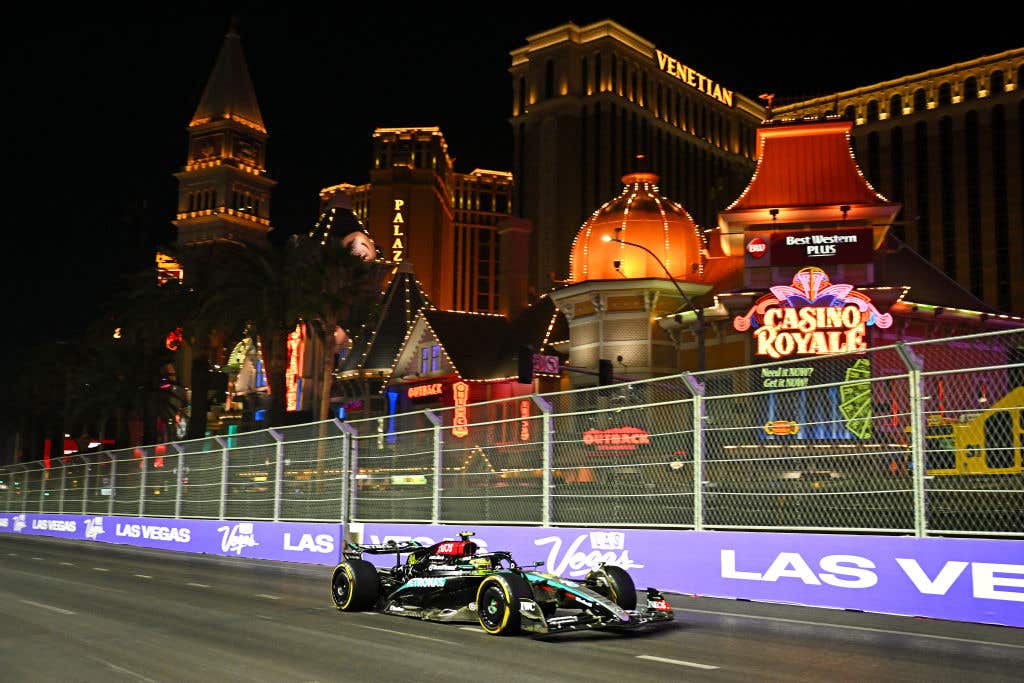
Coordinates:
646 218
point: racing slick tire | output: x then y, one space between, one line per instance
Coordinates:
616 583
497 603
355 585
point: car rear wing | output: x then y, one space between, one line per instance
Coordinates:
357 549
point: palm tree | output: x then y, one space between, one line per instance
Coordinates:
334 288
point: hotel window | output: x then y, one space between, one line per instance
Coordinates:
947 196
973 201
924 238
896 159
971 89
584 74
895 106
945 94
872 111
549 80
997 82
598 85
850 112
920 100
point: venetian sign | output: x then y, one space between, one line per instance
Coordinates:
811 317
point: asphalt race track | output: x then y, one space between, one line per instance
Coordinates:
77 611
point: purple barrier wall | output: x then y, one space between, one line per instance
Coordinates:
976 580
308 542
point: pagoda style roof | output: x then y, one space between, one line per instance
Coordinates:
806 172
379 339
229 93
480 345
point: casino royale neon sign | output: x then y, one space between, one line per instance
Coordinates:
811 317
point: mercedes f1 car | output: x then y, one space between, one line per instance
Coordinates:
451 581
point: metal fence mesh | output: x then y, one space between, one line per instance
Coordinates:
912 438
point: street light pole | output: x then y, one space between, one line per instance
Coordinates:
699 312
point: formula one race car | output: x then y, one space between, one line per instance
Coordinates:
451 581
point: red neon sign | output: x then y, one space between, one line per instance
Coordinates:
811 316
423 390
524 425
460 425
296 345
617 438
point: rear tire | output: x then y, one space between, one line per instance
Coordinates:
355 585
497 603
616 583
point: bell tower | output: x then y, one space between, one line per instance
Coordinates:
223 189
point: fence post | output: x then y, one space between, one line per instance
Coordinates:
63 483
177 487
24 490
143 472
278 471
113 485
85 484
42 488
696 389
546 451
915 364
223 476
435 503
347 432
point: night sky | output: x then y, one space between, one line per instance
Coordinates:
97 103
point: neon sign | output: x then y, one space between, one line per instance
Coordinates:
422 390
811 317
617 438
693 79
397 232
524 424
296 346
460 425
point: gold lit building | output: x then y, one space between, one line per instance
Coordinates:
454 229
586 100
946 143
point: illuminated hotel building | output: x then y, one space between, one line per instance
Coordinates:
455 229
586 100
949 145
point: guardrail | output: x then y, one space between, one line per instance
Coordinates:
922 438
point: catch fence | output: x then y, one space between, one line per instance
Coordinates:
921 438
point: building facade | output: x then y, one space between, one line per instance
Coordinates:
585 101
454 229
948 144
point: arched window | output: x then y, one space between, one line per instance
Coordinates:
895 106
584 75
850 112
920 100
997 82
643 90
615 75
971 89
549 80
522 96
945 94
598 86
872 111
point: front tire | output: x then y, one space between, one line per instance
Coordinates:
616 584
355 586
497 603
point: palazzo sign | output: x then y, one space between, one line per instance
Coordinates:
693 79
800 247
398 232
811 317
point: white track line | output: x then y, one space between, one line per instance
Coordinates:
198 585
851 628
37 558
268 597
121 669
142 576
100 569
49 607
474 629
67 564
678 662
407 635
